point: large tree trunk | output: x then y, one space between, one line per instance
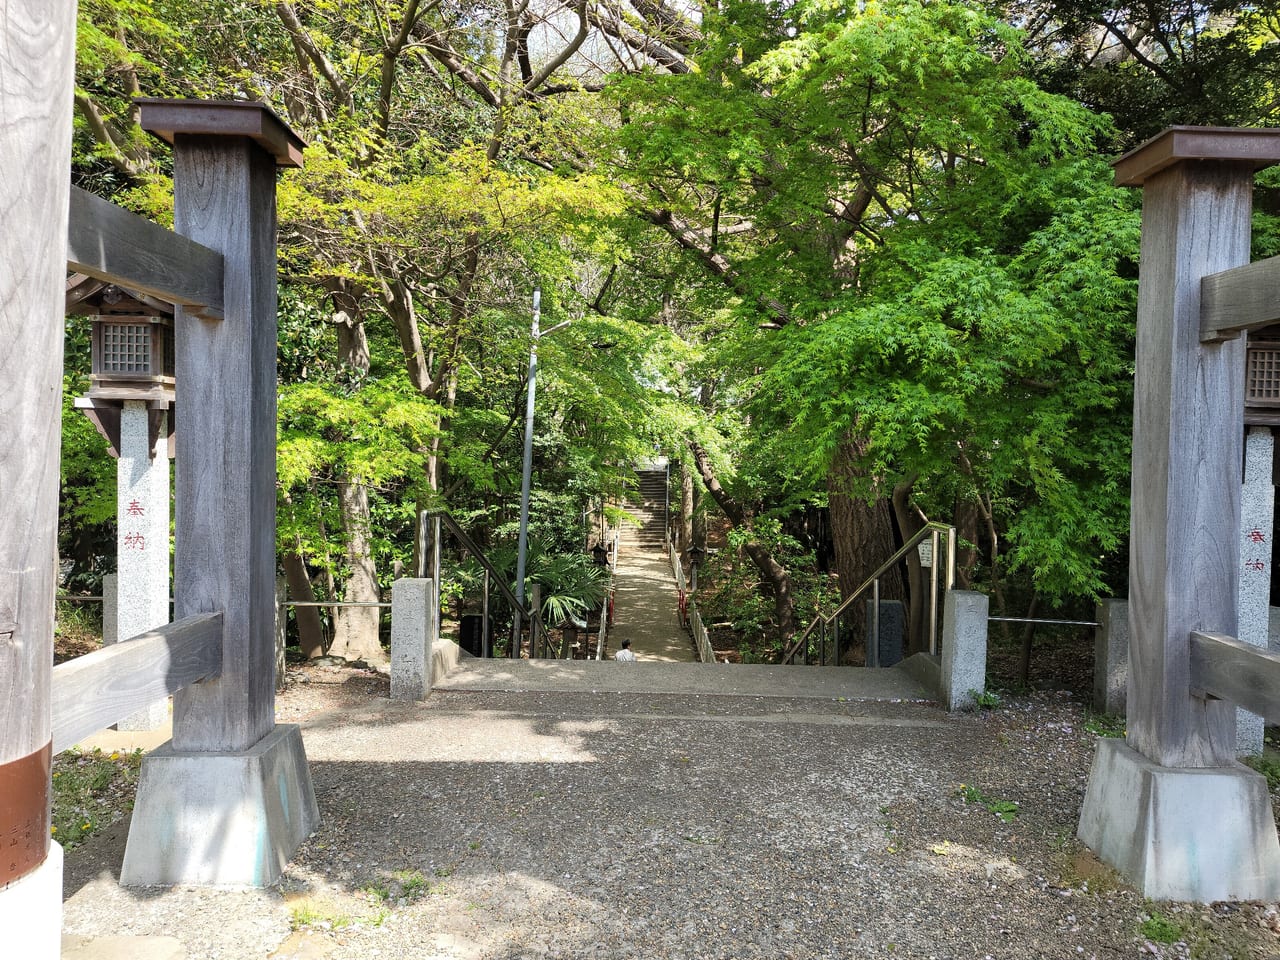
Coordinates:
310 628
686 508
773 573
353 343
356 632
862 535
861 532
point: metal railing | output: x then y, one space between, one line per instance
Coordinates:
828 626
688 606
538 639
606 605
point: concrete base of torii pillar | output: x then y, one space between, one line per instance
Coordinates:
1182 833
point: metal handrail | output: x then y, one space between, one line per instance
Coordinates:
932 530
701 640
611 561
531 613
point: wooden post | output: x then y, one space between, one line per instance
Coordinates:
1187 433
37 49
230 798
225 159
1170 808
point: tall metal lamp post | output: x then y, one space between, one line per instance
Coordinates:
526 477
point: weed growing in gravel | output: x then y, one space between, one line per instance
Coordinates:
1161 929
413 883
1268 765
986 699
1006 810
890 828
91 789
308 913
1105 724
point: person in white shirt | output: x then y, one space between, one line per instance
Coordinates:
625 655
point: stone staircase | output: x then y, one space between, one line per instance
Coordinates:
649 505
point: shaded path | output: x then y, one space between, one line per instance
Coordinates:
609 826
645 609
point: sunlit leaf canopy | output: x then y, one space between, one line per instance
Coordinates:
844 249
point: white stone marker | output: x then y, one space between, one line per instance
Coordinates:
1257 522
413 630
142 540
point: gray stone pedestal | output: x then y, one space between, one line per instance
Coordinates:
1257 522
221 819
1185 833
1111 656
142 539
31 911
964 648
413 629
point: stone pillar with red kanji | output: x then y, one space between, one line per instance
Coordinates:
142 537
1257 522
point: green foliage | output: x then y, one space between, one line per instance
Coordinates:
955 271
897 190
1006 810
1268 764
87 502
1161 929
89 790
1105 724
986 699
1206 63
571 583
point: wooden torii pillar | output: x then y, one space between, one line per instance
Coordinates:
1170 807
37 52
228 800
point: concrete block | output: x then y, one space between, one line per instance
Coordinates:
1111 656
31 911
964 649
1249 733
926 670
445 655
110 590
893 632
221 819
1200 834
413 615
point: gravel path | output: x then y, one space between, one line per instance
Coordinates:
496 825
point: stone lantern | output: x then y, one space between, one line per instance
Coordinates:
1262 377
132 358
1257 507
130 401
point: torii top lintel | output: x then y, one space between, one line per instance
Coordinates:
1252 147
225 118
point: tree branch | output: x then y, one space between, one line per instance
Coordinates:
289 17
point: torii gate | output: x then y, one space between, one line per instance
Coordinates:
229 799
